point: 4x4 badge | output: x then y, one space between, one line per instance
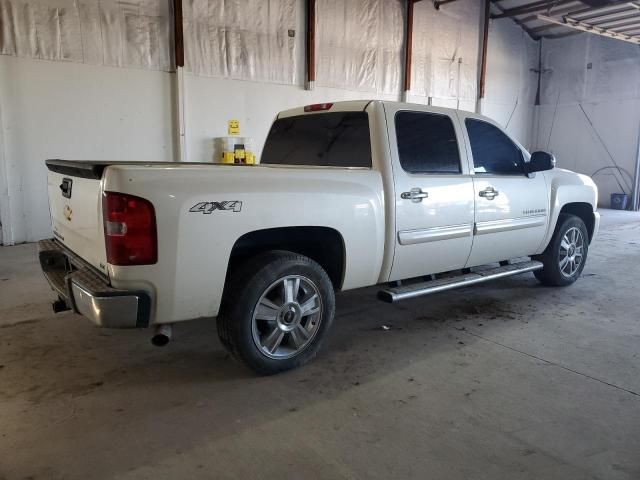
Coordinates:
210 207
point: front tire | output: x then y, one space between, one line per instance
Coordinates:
565 256
277 309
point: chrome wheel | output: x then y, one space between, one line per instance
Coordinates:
287 317
571 252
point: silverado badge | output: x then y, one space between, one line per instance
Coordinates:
535 211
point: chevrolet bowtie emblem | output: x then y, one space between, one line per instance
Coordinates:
67 212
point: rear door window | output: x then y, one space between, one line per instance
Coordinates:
332 139
427 143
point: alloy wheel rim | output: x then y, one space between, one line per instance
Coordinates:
571 252
287 317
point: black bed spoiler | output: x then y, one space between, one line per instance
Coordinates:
94 169
83 169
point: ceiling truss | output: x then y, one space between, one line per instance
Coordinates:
560 18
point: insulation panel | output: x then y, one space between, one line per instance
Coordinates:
242 39
132 33
360 44
445 50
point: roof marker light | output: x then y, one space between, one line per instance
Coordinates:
317 107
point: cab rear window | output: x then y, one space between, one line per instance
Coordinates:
332 139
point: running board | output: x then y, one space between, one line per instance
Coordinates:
391 295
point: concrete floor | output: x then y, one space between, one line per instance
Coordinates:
511 380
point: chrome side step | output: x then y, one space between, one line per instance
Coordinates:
396 294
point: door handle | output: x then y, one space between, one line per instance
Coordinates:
65 187
489 193
415 195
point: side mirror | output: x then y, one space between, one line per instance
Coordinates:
541 161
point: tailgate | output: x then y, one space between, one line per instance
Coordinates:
75 191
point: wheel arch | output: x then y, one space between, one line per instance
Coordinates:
324 245
582 210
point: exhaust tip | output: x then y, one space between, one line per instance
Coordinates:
59 305
162 336
160 340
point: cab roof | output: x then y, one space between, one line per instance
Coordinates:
347 106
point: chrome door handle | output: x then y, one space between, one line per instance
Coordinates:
415 195
489 193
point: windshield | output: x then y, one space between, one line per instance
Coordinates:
335 139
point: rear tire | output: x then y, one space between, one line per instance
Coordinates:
277 309
566 255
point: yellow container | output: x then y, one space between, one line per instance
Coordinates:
240 153
235 150
228 157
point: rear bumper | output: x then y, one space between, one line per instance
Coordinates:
88 293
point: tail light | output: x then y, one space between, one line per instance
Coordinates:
129 230
318 107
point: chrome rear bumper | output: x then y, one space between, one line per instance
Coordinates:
88 293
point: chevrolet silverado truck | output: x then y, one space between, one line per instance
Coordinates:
413 198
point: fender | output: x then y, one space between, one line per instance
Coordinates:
566 187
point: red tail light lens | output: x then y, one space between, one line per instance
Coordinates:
318 107
129 230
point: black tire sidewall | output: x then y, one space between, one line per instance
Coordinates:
552 255
256 276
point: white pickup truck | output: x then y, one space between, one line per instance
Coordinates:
413 198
